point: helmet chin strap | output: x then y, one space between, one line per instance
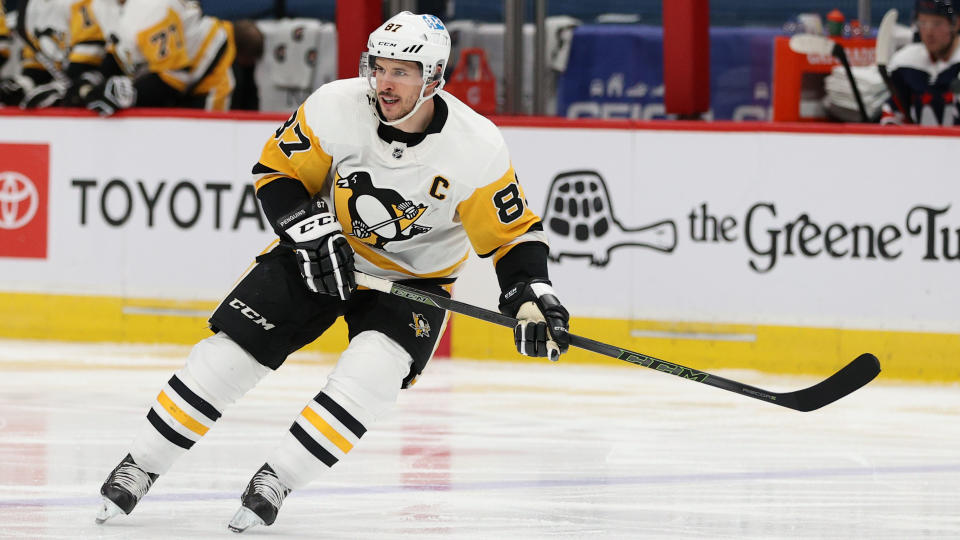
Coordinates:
416 107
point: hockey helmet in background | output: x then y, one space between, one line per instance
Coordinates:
944 8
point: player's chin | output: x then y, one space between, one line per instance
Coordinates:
397 113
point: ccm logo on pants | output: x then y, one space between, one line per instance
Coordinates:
249 313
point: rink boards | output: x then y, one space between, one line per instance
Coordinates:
789 249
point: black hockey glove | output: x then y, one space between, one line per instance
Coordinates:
324 257
45 95
543 324
112 95
82 85
14 88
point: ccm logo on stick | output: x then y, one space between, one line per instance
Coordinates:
249 313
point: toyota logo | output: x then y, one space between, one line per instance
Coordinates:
19 200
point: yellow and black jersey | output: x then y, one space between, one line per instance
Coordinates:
190 52
87 42
63 31
411 205
5 38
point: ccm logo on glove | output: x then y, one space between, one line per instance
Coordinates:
324 257
543 322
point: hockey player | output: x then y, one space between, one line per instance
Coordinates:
924 74
64 46
5 38
392 176
167 53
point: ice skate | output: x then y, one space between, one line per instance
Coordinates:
123 489
260 501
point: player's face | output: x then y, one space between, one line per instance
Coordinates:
937 33
398 87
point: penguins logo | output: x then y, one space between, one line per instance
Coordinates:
378 216
420 325
580 218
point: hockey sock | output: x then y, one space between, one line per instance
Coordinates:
363 387
217 373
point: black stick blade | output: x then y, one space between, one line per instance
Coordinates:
853 376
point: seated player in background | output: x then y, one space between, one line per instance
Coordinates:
166 53
5 38
63 48
387 174
924 74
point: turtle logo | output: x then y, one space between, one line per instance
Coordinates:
377 216
420 325
579 216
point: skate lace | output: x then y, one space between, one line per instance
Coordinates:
269 486
133 479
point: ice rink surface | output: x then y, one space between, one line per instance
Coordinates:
489 450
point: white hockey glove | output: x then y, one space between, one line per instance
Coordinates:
542 329
324 257
114 94
45 95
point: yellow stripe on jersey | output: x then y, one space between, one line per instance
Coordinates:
215 29
327 430
164 47
496 214
219 82
4 29
181 416
294 152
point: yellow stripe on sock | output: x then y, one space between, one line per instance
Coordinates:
326 429
181 416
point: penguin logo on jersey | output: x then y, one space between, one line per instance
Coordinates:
420 325
378 216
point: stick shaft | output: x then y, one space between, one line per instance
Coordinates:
853 376
841 54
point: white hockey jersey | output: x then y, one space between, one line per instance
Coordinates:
191 52
64 31
408 210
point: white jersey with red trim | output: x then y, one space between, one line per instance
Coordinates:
926 86
409 209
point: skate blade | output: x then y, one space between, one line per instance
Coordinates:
243 520
108 510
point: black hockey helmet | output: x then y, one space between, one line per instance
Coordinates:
944 8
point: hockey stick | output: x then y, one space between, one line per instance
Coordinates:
824 46
389 221
851 377
884 52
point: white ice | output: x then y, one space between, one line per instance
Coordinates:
488 450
